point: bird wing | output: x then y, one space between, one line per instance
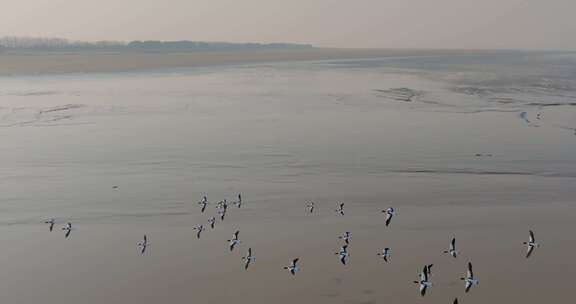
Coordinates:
294 262
529 252
424 275
423 289
453 244
236 234
532 236
468 285
470 272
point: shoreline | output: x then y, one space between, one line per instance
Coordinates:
38 62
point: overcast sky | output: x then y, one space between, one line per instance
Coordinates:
330 23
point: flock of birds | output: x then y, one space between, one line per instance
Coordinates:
424 282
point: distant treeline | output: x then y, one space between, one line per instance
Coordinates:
199 45
65 44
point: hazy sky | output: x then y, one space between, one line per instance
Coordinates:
336 23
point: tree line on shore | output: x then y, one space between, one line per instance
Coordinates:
34 43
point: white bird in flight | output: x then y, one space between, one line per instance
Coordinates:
452 250
51 222
212 221
390 213
199 230
234 241
385 254
531 244
469 280
144 244
340 209
222 213
203 203
343 253
68 229
238 203
248 258
310 207
293 267
424 282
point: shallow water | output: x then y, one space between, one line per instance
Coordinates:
480 147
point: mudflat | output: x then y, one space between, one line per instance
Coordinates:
476 146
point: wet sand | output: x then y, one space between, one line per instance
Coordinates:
284 134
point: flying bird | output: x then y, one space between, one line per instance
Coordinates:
238 203
469 280
390 213
424 283
224 206
234 241
199 230
340 209
385 254
68 229
293 267
343 253
144 244
222 214
212 221
452 250
531 244
51 222
203 203
248 258
345 237
310 207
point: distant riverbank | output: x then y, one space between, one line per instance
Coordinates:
19 62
